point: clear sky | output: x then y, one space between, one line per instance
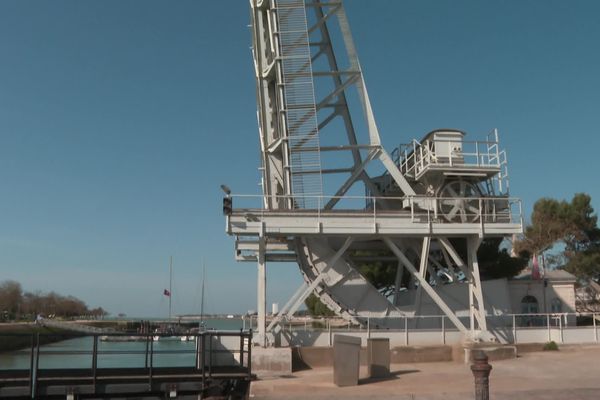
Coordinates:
120 119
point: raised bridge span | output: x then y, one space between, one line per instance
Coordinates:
333 198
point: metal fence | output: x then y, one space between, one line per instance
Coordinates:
95 360
437 329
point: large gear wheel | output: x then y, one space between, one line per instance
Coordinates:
460 201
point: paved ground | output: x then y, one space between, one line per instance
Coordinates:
571 373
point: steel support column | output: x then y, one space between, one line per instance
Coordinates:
477 317
398 282
423 263
261 293
475 292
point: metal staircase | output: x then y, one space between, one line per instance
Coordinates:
300 109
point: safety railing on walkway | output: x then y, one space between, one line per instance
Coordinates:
95 361
415 157
416 209
437 329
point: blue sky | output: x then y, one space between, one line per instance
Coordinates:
120 119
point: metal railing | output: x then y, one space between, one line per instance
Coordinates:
415 157
405 330
419 209
200 359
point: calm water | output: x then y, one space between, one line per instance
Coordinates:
51 357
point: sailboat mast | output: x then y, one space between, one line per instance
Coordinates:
202 298
170 285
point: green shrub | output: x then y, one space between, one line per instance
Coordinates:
551 346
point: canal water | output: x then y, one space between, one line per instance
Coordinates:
76 352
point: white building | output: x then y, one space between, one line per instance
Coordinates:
553 293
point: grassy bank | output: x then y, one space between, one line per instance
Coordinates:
19 335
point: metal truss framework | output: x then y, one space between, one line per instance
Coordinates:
282 68
311 91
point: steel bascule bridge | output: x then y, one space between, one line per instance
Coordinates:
333 196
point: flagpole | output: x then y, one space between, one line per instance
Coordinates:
202 299
170 284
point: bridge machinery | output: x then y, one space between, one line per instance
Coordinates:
333 198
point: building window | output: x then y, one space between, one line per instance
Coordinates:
556 305
529 305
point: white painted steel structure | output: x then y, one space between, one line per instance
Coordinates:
320 145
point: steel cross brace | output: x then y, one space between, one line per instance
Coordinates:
426 286
304 291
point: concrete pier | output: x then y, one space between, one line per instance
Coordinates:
570 373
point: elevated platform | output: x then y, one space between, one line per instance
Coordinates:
483 220
446 153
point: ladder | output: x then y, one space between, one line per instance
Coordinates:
299 102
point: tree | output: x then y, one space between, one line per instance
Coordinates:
11 297
572 226
316 307
496 262
585 265
582 245
549 223
381 274
98 313
13 301
33 303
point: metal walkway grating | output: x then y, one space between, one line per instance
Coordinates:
300 107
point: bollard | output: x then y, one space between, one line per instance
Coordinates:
481 372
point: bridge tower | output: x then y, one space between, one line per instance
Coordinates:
333 197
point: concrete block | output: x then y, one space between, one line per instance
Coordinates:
378 357
315 357
346 360
272 360
415 354
312 357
